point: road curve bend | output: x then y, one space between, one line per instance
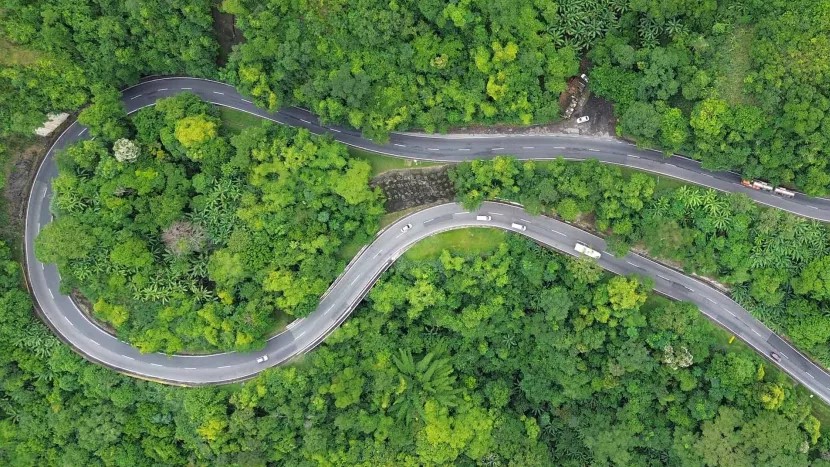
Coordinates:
351 286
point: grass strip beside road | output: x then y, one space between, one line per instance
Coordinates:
467 241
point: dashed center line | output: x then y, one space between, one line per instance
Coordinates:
400 145
334 130
220 93
559 147
432 149
187 89
498 149
594 150
136 97
558 232
305 121
246 100
632 155
463 149
528 147
162 89
664 278
82 132
756 332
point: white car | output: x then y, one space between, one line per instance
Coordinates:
262 359
483 218
406 227
587 251
583 119
518 226
584 77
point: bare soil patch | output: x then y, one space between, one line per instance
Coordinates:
224 24
20 169
601 123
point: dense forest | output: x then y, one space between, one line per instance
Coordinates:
181 236
741 85
79 48
738 84
520 357
776 264
184 239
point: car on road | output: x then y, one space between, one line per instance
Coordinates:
585 250
520 227
483 218
262 359
583 119
775 356
406 227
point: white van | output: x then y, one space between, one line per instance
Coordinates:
483 218
587 251
518 226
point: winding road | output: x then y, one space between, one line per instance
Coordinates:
343 296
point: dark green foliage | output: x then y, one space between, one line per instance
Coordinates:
202 242
381 67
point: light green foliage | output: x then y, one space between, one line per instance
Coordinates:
750 81
86 49
776 264
106 117
262 218
392 388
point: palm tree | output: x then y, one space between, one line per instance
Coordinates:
674 26
430 379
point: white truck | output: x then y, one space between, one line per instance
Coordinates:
589 252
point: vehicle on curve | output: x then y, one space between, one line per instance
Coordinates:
520 227
483 218
262 359
406 227
587 251
583 119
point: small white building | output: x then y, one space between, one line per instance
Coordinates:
53 121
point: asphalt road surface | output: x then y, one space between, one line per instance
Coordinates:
351 286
